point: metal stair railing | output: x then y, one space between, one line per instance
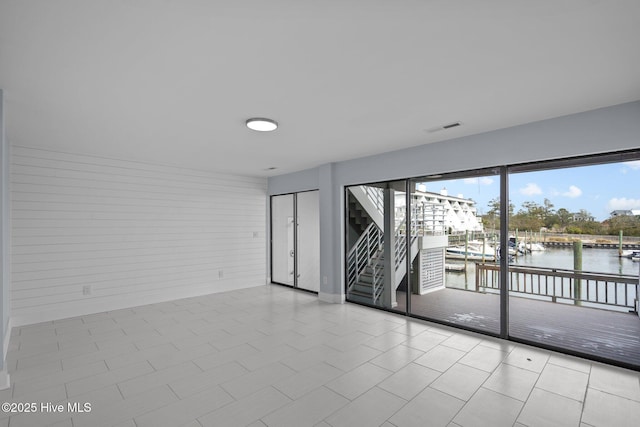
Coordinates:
377 281
368 251
361 254
400 250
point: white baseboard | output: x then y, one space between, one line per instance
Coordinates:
111 303
331 298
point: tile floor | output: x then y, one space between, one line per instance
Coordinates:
272 356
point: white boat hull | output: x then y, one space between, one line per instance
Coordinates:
471 254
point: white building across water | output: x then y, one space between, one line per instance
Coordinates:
451 214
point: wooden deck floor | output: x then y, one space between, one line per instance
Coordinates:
595 332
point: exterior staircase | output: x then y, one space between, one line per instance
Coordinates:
365 260
358 217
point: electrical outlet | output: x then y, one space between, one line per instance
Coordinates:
220 274
86 290
256 234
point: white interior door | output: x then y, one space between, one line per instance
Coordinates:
308 240
282 240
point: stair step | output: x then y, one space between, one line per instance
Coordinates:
367 282
360 298
366 278
362 288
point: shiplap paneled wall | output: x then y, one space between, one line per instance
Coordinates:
91 234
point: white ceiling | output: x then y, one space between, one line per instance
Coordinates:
173 81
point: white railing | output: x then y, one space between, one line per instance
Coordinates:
400 249
426 219
377 281
431 218
368 245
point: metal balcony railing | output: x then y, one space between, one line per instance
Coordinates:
580 287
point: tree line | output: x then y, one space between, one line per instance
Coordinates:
534 217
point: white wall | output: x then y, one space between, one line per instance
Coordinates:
134 233
294 182
599 131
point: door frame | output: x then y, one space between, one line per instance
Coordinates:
295 241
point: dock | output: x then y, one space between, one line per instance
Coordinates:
625 246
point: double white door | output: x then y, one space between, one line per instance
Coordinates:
295 240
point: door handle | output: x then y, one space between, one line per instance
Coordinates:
292 253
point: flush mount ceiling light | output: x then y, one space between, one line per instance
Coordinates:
261 124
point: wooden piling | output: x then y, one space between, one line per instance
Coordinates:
620 243
577 266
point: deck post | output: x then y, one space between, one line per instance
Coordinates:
466 247
577 267
620 243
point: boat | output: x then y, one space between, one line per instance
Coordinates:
473 252
631 253
534 247
524 247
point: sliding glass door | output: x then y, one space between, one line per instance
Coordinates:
295 240
455 250
573 278
545 253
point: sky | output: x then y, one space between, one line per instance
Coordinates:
599 189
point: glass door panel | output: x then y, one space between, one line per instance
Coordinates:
455 227
376 245
573 280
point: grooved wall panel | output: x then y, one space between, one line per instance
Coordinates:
92 234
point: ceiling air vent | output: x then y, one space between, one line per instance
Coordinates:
445 127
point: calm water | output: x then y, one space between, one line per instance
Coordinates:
593 260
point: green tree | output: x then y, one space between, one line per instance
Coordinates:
629 224
548 208
526 221
564 217
494 207
491 219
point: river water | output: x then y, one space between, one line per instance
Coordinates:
593 260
